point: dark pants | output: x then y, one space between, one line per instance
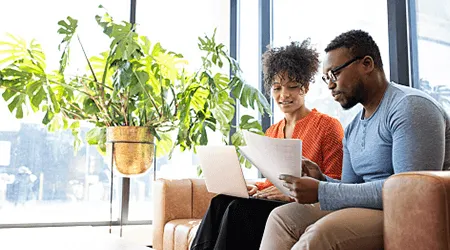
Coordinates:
233 223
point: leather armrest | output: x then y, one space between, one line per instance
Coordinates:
416 210
177 199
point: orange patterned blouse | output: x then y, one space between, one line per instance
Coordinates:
321 137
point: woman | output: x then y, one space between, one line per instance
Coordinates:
236 223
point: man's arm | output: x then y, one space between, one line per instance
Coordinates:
418 137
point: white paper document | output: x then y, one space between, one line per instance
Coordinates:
274 156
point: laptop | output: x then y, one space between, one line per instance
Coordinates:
222 170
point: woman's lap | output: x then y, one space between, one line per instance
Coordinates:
233 223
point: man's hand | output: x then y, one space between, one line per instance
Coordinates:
310 168
252 189
304 190
272 193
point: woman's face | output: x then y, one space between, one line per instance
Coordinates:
288 95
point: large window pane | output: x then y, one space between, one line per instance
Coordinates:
433 46
177 24
322 20
41 180
249 56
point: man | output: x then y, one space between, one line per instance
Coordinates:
399 129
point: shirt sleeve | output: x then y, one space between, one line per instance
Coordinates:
332 149
417 127
263 184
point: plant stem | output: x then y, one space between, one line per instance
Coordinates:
13 89
149 96
99 83
73 113
99 105
87 59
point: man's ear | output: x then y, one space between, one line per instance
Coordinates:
368 63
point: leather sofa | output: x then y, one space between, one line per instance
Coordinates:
179 206
416 211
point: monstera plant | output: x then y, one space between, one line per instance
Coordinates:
132 83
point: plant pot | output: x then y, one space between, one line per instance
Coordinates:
132 149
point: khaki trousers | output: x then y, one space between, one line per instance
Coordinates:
297 226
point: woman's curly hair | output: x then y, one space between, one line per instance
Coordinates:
299 60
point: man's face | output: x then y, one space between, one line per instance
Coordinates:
348 88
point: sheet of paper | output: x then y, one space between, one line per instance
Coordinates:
273 157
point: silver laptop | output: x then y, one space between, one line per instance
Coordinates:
222 171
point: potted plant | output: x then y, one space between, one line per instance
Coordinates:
132 92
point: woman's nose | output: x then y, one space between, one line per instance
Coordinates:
284 92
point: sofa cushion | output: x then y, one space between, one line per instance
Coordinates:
178 234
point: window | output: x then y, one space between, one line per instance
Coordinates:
5 153
433 47
43 181
323 20
177 26
249 56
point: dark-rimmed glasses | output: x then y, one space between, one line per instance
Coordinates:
331 75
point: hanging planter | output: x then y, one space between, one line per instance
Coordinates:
132 149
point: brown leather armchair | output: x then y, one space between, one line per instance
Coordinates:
416 211
179 206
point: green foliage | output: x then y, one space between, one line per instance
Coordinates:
132 83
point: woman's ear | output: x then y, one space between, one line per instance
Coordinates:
305 90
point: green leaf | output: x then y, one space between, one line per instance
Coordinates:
75 125
67 29
164 145
249 96
54 101
55 124
16 105
8 94
90 107
204 137
96 136
237 139
199 171
77 142
251 124
122 76
38 97
48 117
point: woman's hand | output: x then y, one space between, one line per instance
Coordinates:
272 193
310 168
252 189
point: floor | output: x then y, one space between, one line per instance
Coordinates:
84 238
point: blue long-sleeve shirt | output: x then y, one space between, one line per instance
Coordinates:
409 131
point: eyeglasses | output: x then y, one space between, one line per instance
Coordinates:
331 75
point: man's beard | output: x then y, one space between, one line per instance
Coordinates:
355 98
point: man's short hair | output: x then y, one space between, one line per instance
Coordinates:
359 43
299 60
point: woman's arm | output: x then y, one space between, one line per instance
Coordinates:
331 147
